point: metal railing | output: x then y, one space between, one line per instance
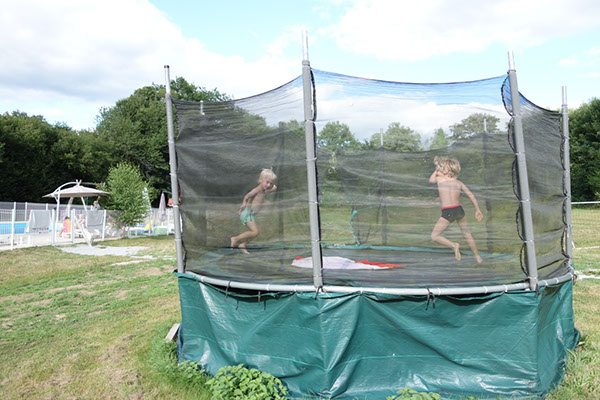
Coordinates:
37 224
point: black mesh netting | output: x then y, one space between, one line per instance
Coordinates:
376 144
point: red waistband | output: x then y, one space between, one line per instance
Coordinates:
458 205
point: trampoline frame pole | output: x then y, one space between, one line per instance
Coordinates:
525 199
173 168
311 169
567 176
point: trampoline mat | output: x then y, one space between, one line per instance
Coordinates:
422 267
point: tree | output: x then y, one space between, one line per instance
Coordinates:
334 139
127 194
474 124
27 141
181 89
398 138
39 157
439 140
584 127
136 128
337 138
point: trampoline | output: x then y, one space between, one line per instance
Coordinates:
345 277
417 267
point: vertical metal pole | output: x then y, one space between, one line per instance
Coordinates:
311 170
12 226
488 204
103 224
168 222
52 237
56 217
567 175
531 262
384 230
72 226
173 167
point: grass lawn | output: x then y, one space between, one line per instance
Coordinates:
91 327
587 221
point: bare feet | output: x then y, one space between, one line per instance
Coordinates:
242 248
479 259
233 244
456 247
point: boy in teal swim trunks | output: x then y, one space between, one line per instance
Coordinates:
250 206
449 189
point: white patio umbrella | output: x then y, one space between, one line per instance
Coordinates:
162 208
76 190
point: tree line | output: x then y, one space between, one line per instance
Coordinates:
36 157
337 137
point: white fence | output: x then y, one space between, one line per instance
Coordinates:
35 224
586 224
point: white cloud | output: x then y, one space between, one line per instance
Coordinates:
402 30
64 59
569 62
367 112
586 59
75 53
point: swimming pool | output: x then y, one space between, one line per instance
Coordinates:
5 228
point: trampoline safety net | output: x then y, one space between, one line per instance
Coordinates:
376 142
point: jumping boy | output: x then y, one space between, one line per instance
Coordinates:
250 206
449 189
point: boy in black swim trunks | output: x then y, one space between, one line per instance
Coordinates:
449 189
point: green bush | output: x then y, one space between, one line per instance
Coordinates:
239 382
411 394
127 196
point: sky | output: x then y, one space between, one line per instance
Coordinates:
67 59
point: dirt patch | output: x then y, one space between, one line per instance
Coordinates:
61 377
19 298
42 303
103 250
168 268
116 351
152 271
128 262
60 289
581 277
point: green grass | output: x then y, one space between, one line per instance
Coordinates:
586 223
87 327
582 378
82 327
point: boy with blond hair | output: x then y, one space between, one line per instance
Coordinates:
449 189
251 205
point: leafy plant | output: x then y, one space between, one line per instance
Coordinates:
238 382
127 196
411 394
